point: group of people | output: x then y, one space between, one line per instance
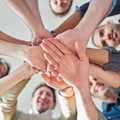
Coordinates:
65 64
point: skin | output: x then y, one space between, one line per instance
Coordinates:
43 99
69 67
107 35
101 91
22 72
60 6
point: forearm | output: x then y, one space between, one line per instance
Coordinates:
97 56
68 103
11 49
70 23
85 106
107 77
8 38
97 8
21 73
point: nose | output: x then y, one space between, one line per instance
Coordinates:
59 2
43 96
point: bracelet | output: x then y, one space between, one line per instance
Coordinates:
67 92
53 33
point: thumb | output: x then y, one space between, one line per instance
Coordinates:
80 49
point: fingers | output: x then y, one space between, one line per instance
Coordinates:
50 49
63 48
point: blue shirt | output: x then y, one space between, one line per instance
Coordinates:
112 110
115 9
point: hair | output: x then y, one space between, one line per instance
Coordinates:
3 62
63 13
45 85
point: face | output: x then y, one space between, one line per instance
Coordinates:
3 69
60 6
107 35
43 99
97 88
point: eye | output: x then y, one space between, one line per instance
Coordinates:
101 33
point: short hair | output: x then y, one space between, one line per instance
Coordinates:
3 62
63 13
45 85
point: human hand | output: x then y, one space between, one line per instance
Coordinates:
38 37
68 38
34 56
54 82
71 68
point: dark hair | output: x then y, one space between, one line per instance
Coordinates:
45 85
63 13
3 62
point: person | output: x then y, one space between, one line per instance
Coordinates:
20 8
8 100
60 7
70 69
68 66
109 97
20 48
29 13
43 100
107 35
4 68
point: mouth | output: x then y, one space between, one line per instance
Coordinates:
114 36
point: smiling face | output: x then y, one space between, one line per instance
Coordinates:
97 88
43 99
60 6
107 35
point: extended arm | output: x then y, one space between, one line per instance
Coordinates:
15 77
8 38
113 78
28 11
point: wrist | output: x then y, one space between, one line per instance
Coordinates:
67 92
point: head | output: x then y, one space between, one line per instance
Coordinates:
99 89
4 68
60 6
43 98
107 35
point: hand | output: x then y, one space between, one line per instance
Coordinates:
38 37
34 56
68 38
71 68
53 81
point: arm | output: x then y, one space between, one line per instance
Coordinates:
29 13
31 54
97 56
112 77
71 69
8 38
15 77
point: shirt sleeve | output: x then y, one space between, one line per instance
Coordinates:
82 9
8 101
115 9
113 5
114 60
